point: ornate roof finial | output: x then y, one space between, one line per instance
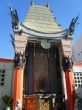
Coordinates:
47 3
72 25
32 2
15 19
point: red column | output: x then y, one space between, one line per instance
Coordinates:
18 86
70 89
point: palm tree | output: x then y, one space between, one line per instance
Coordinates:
7 102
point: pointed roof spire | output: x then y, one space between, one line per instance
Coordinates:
32 2
40 18
46 2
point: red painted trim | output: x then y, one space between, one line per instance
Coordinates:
70 89
6 60
77 64
18 86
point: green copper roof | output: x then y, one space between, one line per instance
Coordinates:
40 18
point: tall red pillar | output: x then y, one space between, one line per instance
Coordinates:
18 87
70 89
19 62
69 77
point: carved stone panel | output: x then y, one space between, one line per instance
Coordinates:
41 76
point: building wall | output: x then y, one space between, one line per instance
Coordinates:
77 69
6 80
77 50
67 47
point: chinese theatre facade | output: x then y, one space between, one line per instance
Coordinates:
43 78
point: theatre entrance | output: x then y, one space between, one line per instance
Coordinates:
43 73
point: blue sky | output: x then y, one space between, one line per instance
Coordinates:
63 10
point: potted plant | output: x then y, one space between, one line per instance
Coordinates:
7 102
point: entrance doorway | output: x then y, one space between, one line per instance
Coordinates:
42 72
43 75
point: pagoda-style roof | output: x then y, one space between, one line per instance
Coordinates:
40 19
40 26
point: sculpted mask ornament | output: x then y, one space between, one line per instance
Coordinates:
67 63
